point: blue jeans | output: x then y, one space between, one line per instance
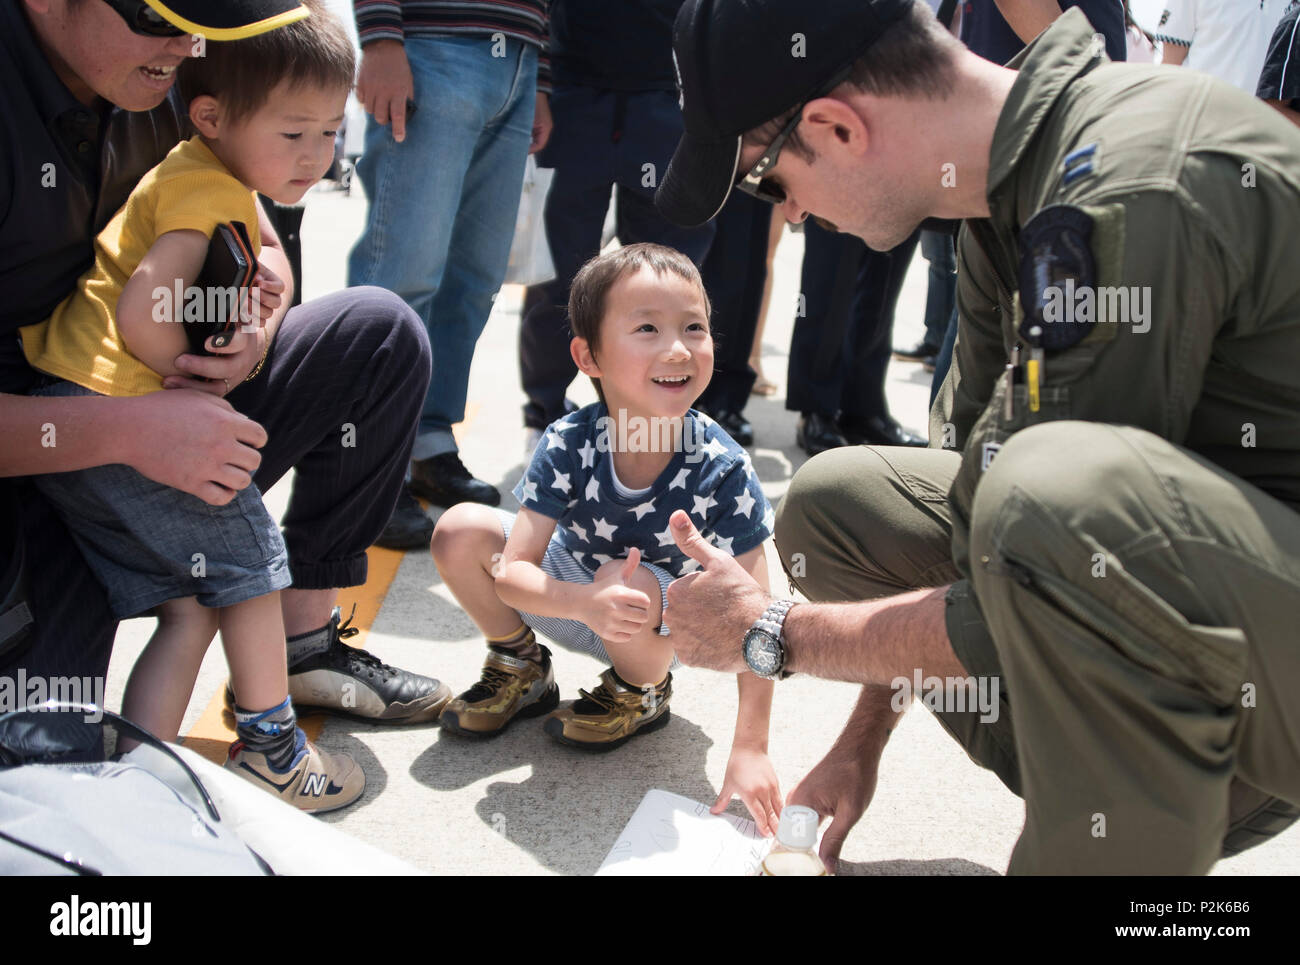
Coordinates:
443 204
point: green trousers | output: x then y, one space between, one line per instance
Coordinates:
1139 606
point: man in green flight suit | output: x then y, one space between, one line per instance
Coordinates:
1104 532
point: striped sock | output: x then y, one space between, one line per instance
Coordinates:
271 732
521 643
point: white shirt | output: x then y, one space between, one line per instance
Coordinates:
1226 38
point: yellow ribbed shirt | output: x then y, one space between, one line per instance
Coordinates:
80 342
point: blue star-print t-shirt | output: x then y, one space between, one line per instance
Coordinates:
570 480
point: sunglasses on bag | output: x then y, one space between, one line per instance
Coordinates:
144 19
753 183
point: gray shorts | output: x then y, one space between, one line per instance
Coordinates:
558 563
148 543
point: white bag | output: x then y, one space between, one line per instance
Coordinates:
530 255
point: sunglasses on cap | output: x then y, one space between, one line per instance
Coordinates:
144 19
753 183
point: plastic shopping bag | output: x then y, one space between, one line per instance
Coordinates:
530 255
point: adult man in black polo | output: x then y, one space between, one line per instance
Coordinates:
87 113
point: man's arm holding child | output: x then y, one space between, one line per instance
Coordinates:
749 769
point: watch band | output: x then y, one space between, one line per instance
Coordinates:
773 619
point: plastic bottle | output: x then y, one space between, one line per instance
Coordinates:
794 852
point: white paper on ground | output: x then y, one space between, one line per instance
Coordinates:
673 835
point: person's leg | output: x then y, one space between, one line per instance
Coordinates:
864 408
1143 603
340 397
938 249
162 680
762 384
517 680
252 635
73 628
576 203
482 228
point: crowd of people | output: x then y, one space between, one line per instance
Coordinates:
1102 518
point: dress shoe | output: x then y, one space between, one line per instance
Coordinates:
816 433
919 352
735 425
879 432
444 481
408 528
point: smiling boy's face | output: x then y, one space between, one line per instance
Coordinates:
655 355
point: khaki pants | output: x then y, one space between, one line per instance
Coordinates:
1140 606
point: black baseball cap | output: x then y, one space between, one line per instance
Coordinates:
741 63
229 19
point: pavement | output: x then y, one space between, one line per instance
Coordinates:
522 804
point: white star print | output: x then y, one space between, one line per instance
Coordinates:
663 562
723 544
579 555
769 518
530 492
666 537
702 504
690 566
714 448
680 481
570 504
646 507
588 454
744 504
565 424
604 530
578 531
561 481
601 558
555 441
593 488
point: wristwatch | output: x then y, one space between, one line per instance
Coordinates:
764 648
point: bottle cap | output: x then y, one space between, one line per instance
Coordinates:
798 827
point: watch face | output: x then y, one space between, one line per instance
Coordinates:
762 652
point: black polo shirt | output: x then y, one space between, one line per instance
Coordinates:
65 169
1280 78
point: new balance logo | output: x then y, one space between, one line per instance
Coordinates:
315 784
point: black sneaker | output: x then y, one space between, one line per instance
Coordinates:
444 481
350 682
409 527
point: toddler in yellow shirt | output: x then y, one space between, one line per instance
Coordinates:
266 110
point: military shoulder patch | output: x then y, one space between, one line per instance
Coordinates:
1056 263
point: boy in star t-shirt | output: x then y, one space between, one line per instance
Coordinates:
588 560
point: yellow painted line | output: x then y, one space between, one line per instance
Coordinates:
213 732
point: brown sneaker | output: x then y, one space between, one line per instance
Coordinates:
611 715
509 688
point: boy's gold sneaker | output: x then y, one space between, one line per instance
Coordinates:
510 687
611 715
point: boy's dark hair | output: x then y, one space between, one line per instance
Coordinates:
590 288
914 57
241 74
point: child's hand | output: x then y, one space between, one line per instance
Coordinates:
615 611
264 297
750 774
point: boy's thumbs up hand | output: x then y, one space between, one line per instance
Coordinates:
710 610
629 565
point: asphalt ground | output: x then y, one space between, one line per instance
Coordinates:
522 804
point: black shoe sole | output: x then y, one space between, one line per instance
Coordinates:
555 729
550 700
